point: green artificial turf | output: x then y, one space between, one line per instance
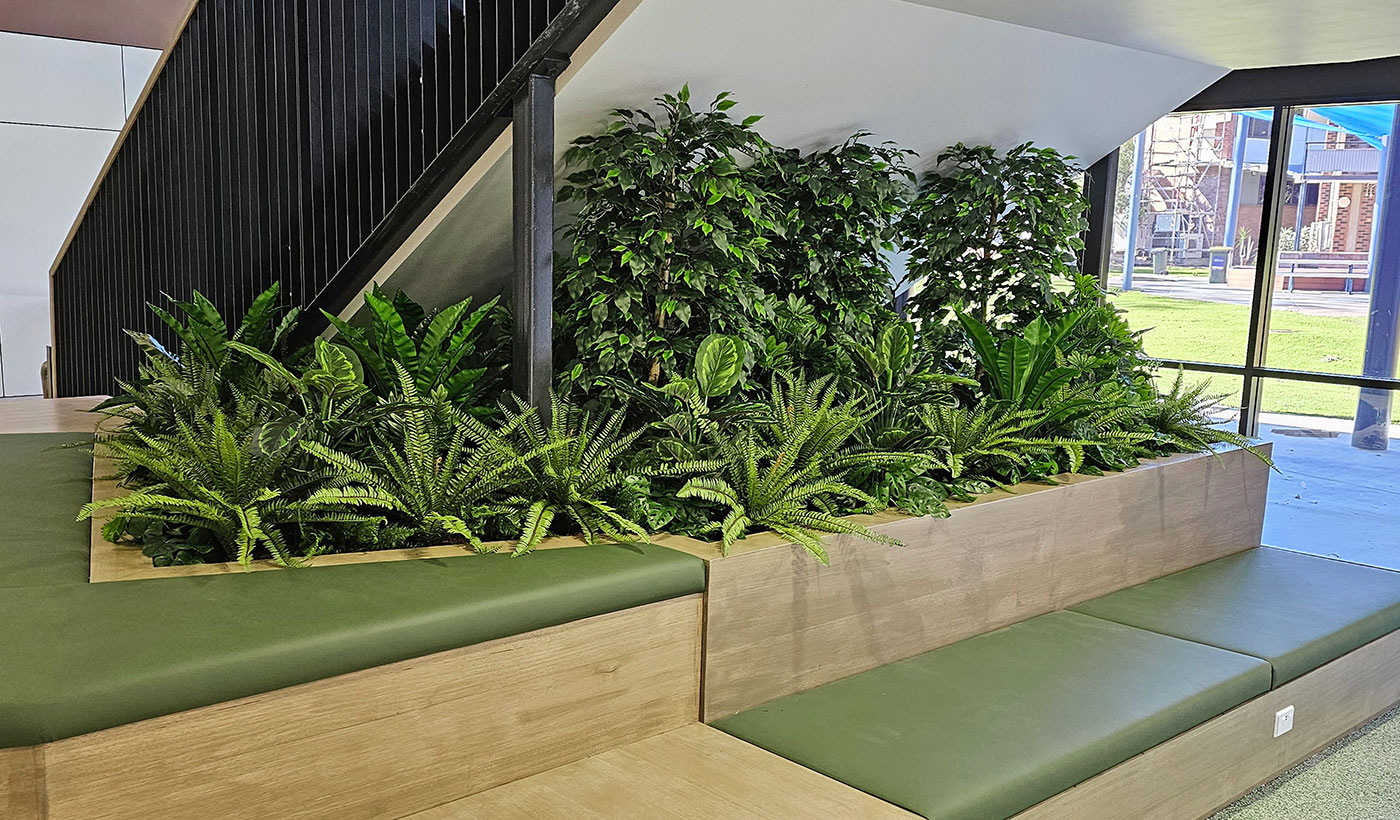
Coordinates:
1216 332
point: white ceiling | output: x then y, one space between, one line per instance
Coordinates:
819 70
1230 33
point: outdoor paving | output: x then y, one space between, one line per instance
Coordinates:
1329 498
1315 303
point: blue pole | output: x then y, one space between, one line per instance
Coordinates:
1232 206
1371 430
1134 206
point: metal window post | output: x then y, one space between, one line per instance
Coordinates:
1134 206
1275 181
1232 203
533 149
1371 428
1100 187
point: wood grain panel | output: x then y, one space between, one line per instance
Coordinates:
691 773
35 415
22 784
396 739
1196 773
777 622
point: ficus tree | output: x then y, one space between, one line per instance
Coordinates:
840 210
669 235
992 234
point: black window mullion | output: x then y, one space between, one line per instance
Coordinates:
1266 263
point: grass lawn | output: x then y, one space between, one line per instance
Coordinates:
1213 332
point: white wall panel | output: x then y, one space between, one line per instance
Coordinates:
45 175
48 81
24 337
137 64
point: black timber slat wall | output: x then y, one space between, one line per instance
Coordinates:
278 141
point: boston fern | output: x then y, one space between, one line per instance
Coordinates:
989 440
443 468
1180 420
215 476
786 473
574 469
202 372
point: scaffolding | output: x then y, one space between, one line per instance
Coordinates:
1184 182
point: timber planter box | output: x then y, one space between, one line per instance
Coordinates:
1048 546
777 622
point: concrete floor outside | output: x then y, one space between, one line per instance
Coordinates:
1329 498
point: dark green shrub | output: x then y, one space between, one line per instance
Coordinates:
992 235
668 237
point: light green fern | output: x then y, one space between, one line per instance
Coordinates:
219 477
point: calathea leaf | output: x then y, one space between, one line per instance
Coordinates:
719 362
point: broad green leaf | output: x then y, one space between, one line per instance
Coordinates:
719 362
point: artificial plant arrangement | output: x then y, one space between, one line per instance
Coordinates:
993 234
731 359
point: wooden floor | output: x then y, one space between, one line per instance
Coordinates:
36 415
691 773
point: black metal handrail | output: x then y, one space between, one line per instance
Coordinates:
292 141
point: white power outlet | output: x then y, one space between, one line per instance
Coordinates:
1283 721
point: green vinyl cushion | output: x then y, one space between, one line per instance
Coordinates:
41 488
987 727
85 657
1295 611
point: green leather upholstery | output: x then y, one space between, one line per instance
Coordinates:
1296 611
994 724
41 489
80 658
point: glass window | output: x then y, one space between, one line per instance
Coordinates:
1329 235
1194 238
1329 496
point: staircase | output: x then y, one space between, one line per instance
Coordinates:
295 141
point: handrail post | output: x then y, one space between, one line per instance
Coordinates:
533 148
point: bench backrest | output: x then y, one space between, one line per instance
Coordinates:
778 622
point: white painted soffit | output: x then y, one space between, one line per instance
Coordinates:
1230 33
819 70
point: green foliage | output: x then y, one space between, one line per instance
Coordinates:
989 441
719 364
212 474
787 473
203 373
573 468
326 402
840 210
1180 421
436 349
443 468
1027 370
665 246
1102 346
730 362
993 234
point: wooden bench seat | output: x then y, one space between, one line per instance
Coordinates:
1054 717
